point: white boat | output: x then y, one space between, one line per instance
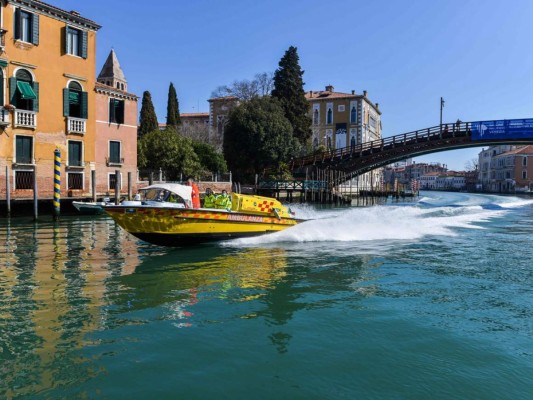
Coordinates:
89 208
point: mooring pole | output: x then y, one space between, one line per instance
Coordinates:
93 184
129 186
57 183
117 185
35 205
8 193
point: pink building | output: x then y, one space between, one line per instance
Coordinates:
116 129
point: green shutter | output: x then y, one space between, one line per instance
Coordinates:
84 43
120 111
13 91
3 63
1 88
84 105
17 25
64 39
66 102
111 110
35 29
35 86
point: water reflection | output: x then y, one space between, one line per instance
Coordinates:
68 290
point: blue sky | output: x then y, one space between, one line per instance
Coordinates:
406 54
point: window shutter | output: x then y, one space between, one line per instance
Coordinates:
35 86
66 102
1 88
84 43
120 112
64 39
35 29
18 25
111 110
13 91
84 105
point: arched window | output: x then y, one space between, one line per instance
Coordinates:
74 101
315 117
24 91
329 118
353 115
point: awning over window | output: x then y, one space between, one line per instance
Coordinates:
26 90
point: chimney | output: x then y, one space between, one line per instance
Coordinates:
353 91
73 12
329 88
364 93
310 94
377 106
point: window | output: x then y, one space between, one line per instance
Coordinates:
23 92
372 122
75 42
26 26
353 115
116 111
75 180
75 153
524 174
112 179
220 124
329 116
114 152
341 108
315 117
24 179
24 150
524 161
75 101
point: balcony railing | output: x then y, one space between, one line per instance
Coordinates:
76 125
114 162
25 119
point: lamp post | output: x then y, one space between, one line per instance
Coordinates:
441 107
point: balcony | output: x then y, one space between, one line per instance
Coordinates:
114 162
25 119
76 125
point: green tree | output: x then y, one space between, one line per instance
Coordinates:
210 159
169 151
173 110
289 89
257 136
148 120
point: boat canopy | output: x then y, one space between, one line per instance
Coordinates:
184 191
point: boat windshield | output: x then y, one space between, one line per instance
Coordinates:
163 195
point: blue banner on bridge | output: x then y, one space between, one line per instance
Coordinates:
502 129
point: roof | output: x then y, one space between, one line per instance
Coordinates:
195 115
100 87
226 98
72 16
111 68
332 95
523 150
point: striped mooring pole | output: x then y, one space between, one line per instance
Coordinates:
57 183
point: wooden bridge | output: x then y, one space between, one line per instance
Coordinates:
356 160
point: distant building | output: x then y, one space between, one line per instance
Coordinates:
484 164
510 171
116 128
343 120
219 109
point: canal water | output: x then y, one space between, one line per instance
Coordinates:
424 299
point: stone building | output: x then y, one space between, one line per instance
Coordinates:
512 171
116 129
47 71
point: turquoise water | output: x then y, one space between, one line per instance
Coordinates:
427 299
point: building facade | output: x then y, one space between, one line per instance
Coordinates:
485 166
116 130
511 171
47 69
219 109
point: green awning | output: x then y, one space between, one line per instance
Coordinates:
26 90
3 63
73 97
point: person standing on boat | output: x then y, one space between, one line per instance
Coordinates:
210 199
195 195
223 201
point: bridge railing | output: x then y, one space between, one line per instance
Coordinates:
447 130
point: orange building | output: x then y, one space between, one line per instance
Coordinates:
47 97
116 129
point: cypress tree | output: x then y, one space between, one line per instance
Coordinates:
289 89
173 111
148 120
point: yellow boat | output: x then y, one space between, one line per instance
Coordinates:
164 216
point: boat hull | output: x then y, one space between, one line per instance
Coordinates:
88 208
167 226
